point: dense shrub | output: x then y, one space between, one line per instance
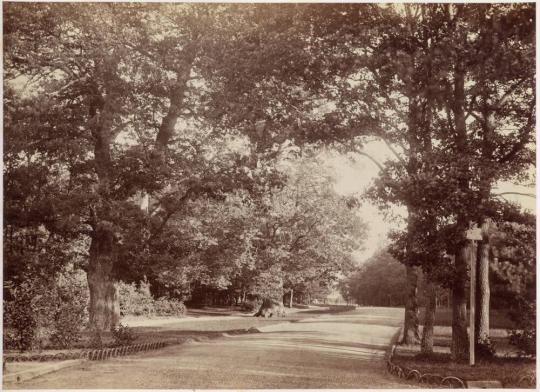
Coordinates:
169 307
138 301
96 339
21 316
515 268
71 313
485 348
523 337
43 312
123 335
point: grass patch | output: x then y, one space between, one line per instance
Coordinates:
506 370
497 318
506 367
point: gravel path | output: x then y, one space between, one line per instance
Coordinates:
328 351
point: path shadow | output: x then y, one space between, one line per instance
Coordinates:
381 322
314 342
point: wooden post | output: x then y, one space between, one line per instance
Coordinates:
472 290
473 234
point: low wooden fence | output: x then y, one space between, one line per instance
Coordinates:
92 355
527 380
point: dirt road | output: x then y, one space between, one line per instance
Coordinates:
329 351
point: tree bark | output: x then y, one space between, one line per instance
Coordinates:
460 340
429 317
483 291
104 307
411 334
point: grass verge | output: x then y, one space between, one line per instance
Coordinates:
506 370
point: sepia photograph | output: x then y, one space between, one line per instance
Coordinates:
269 195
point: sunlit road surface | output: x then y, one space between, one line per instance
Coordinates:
330 351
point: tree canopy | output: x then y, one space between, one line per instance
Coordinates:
171 141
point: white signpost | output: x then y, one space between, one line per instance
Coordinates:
473 234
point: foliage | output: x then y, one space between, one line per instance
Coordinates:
380 281
169 307
311 291
293 236
438 88
137 300
514 246
71 313
40 313
96 339
123 335
269 284
523 314
118 88
447 87
485 348
20 322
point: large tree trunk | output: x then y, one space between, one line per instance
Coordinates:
429 316
460 341
411 334
104 306
104 309
483 292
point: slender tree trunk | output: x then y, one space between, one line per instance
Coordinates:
411 334
290 299
460 341
429 316
483 291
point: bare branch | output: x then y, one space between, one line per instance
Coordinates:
506 96
401 160
379 165
516 193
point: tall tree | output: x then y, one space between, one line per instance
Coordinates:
462 126
119 87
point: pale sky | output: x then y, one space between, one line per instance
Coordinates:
354 177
